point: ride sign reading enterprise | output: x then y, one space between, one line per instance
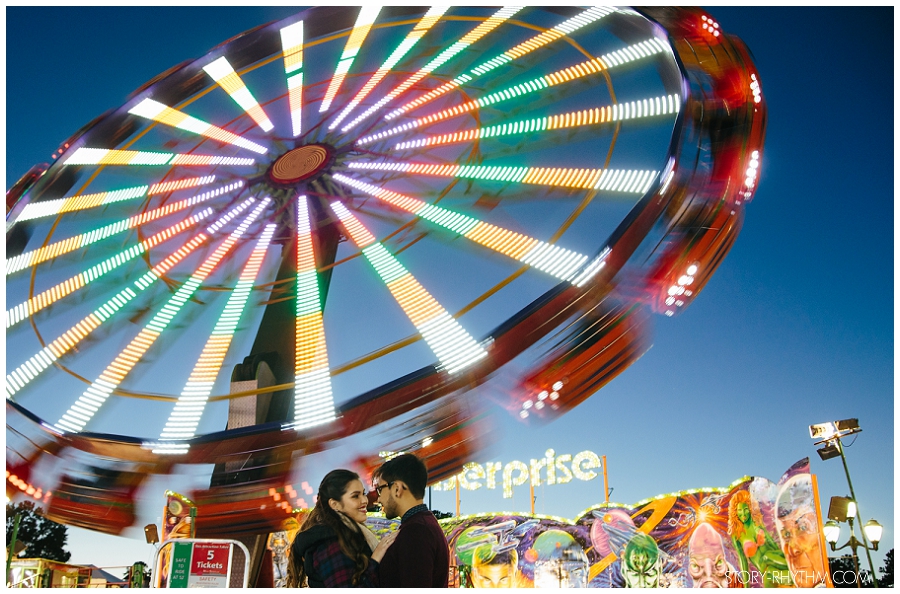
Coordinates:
558 470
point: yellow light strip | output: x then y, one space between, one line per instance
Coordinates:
313 398
292 46
156 111
222 72
497 19
83 410
425 23
364 22
185 415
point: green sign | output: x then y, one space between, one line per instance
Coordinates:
181 563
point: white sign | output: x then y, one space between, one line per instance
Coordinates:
210 565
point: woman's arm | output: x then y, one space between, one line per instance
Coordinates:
336 569
383 545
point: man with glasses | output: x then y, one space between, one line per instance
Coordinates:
419 557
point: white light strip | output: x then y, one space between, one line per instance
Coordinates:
50 251
115 372
292 49
192 401
95 393
46 298
485 27
454 347
364 21
156 111
313 399
425 23
222 72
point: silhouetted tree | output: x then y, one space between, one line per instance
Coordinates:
843 573
887 571
441 515
42 537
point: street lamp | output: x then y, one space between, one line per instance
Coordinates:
830 434
873 532
832 532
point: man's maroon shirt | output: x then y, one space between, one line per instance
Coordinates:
420 557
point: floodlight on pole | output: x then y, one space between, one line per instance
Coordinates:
830 434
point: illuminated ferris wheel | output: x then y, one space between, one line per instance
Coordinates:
334 220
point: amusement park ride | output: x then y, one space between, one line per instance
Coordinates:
343 224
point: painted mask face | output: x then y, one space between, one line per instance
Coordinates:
800 540
494 576
641 564
707 565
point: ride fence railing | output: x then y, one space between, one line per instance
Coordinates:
49 574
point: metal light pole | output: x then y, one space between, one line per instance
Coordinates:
832 533
12 546
865 544
831 434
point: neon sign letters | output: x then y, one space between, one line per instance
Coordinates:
557 470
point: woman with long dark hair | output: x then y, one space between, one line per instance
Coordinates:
333 548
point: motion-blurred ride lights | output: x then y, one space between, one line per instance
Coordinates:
542 400
680 289
754 87
710 25
27 488
752 170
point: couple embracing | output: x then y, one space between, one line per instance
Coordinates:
334 548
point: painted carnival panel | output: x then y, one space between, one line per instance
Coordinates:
755 533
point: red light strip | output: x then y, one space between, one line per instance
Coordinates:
567 27
47 208
554 260
185 415
643 49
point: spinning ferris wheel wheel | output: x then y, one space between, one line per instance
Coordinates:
337 219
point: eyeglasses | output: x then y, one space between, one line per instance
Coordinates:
378 488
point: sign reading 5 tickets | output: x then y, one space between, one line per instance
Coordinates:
210 565
200 564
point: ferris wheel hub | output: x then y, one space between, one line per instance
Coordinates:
300 164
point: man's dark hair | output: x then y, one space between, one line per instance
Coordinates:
407 468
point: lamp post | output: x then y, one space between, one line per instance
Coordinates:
872 530
830 434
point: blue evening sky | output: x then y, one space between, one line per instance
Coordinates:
795 328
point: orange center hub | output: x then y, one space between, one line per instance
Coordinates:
300 164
